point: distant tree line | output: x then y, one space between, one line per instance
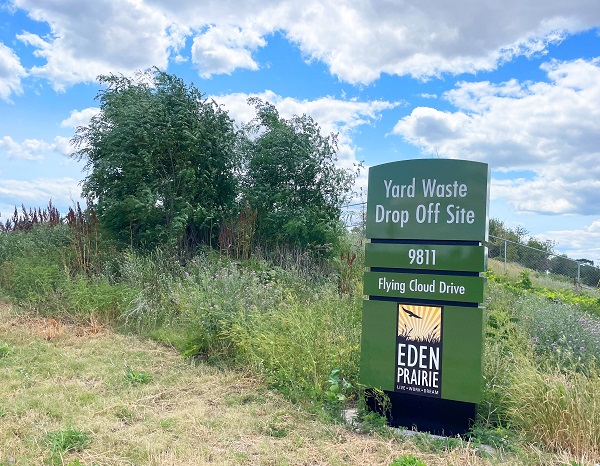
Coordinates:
537 254
166 166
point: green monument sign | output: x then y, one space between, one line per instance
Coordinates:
428 200
422 322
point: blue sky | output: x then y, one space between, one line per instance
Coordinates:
514 84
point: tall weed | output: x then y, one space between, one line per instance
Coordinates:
32 280
97 299
223 295
156 277
289 327
548 392
505 343
42 242
302 342
33 263
558 409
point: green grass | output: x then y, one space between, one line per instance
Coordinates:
559 410
295 331
407 460
133 377
5 349
537 380
66 441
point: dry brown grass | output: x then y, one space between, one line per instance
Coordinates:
61 375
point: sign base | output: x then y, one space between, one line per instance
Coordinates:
437 416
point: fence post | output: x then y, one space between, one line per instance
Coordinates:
578 287
505 256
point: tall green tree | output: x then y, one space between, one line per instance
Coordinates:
293 181
160 160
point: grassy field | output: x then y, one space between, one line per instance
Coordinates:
147 359
86 395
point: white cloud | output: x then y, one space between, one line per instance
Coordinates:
63 145
80 117
29 149
358 41
224 49
332 114
428 38
35 149
11 73
580 243
547 196
549 128
39 191
92 38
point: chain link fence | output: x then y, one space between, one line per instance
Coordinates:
581 274
576 273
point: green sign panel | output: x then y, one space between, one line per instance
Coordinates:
427 350
428 200
455 288
425 257
427 220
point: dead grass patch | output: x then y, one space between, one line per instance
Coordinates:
49 328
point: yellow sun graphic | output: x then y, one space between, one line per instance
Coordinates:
419 323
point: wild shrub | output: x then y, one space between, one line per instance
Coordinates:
224 296
96 298
40 242
194 306
537 379
32 262
295 331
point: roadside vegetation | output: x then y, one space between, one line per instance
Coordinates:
205 308
99 363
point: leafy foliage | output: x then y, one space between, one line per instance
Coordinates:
167 167
160 160
292 180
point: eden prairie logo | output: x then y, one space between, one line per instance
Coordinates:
419 348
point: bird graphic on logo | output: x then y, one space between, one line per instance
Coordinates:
410 313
